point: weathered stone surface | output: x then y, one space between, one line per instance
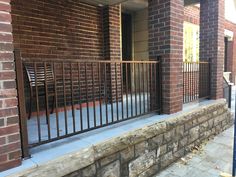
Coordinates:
108 159
127 154
150 172
111 170
155 142
124 172
172 146
141 148
203 127
188 125
179 131
142 163
193 134
183 142
75 174
166 159
89 171
163 149
178 154
169 135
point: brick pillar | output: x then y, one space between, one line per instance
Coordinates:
166 40
112 45
10 145
212 42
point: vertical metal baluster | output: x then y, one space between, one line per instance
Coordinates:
72 96
21 103
86 83
183 82
209 64
143 88
140 102
105 90
198 77
188 90
148 88
94 107
80 99
195 79
127 98
193 68
151 88
56 100
135 89
187 96
64 96
117 102
192 81
155 86
100 98
131 90
111 92
46 100
37 101
198 81
121 79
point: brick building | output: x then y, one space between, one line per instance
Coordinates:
107 49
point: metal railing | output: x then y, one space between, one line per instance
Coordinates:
227 91
196 81
82 95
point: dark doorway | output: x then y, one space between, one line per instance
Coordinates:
127 48
126 37
226 55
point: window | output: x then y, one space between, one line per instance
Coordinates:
191 42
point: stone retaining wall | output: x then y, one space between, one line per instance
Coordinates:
145 151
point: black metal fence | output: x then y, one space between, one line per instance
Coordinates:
196 81
62 98
227 91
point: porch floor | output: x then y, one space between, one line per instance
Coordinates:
67 125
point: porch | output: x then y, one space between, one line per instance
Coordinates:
133 139
78 68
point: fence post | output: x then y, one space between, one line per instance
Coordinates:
21 103
230 94
159 84
209 79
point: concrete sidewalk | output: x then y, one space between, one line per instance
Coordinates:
213 159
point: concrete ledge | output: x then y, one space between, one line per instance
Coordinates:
143 151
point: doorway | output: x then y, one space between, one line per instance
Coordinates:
127 48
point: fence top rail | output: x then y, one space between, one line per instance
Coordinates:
196 62
86 61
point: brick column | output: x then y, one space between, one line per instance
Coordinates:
112 45
10 145
212 42
166 40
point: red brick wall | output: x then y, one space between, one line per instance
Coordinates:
112 49
66 30
212 42
232 54
57 29
10 151
192 14
166 40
